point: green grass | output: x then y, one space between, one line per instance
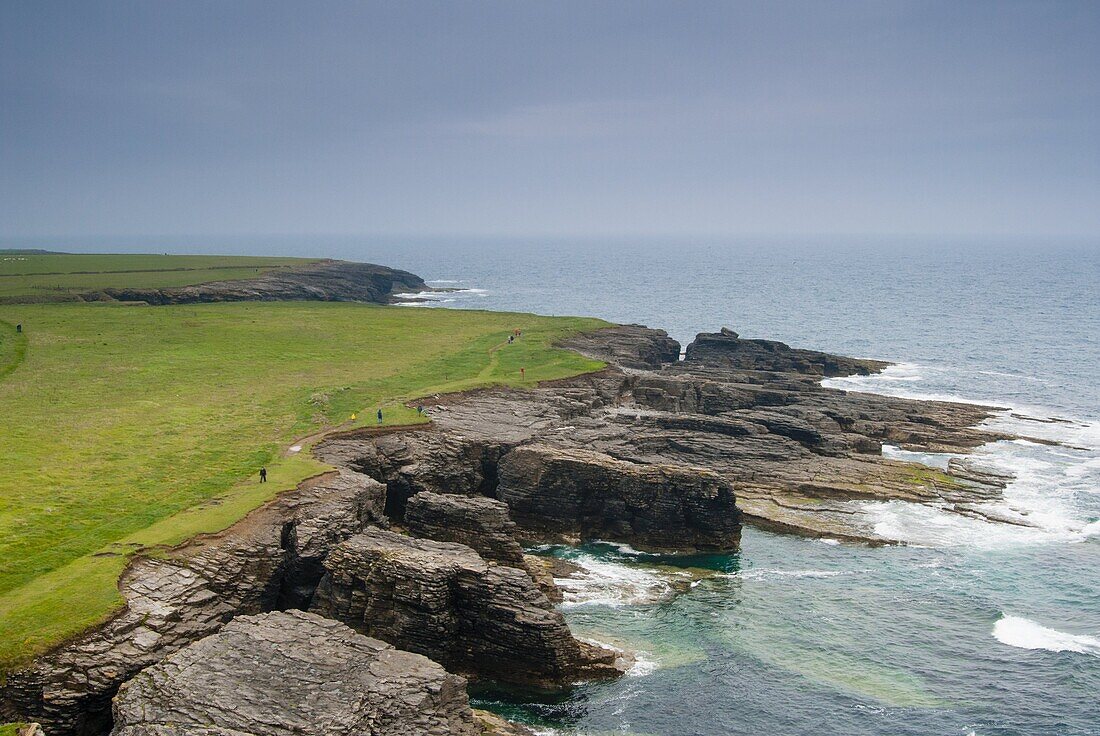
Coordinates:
924 476
123 423
59 277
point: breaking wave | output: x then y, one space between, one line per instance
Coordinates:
1016 631
1055 494
605 583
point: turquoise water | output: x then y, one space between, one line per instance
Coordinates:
971 628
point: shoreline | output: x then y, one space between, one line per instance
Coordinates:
445 423
656 422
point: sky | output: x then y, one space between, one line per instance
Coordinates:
560 118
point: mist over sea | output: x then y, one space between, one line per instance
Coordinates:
969 628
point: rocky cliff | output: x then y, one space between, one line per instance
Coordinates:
580 494
271 559
481 523
729 350
669 454
326 281
443 600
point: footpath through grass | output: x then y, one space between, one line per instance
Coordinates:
118 422
59 277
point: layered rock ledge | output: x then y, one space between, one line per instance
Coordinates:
580 494
443 600
480 523
279 674
668 454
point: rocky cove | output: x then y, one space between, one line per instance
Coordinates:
362 601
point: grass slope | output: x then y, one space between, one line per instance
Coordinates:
126 427
58 277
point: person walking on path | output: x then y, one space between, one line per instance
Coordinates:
263 475
380 416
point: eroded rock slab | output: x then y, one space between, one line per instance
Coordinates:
590 495
441 599
730 350
478 522
285 673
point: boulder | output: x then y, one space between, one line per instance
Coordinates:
293 674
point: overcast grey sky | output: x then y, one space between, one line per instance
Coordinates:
552 118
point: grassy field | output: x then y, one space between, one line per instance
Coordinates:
118 422
57 277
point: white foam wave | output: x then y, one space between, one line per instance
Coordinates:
643 665
898 380
1053 497
1020 632
931 459
417 295
926 525
426 303
622 548
766 574
604 583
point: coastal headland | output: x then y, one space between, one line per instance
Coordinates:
400 547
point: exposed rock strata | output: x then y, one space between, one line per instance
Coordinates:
480 523
628 346
590 495
328 281
269 560
798 456
729 350
443 600
483 525
409 463
279 674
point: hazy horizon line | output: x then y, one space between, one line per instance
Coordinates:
15 240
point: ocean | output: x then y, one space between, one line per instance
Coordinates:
968 628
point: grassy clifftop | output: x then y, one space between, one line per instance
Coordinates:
27 276
120 424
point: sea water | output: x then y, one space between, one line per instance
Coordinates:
969 627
